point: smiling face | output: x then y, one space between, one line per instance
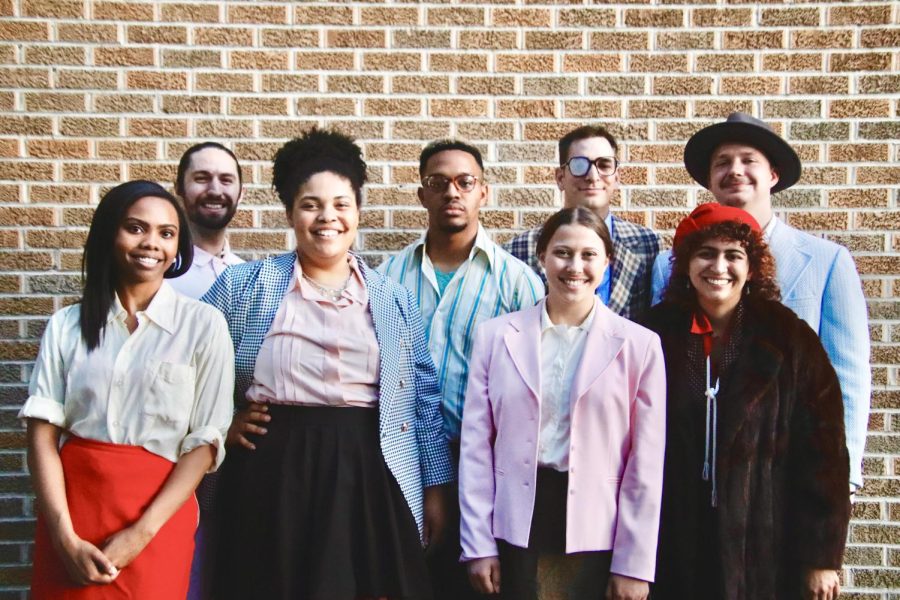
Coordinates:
592 191
718 271
742 176
325 218
146 241
211 189
574 261
452 210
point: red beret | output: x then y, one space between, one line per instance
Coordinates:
711 214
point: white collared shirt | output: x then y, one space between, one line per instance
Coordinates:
166 387
562 347
204 270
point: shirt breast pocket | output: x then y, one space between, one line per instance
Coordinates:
171 392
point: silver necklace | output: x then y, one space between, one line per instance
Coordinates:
333 294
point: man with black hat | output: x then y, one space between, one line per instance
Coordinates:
743 162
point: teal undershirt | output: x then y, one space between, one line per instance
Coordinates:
443 279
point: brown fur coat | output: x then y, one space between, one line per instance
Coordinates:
783 471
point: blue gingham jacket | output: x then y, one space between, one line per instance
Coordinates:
410 423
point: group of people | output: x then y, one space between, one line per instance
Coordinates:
439 425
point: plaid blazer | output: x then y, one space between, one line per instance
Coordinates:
635 249
412 439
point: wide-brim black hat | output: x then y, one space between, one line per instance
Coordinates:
744 129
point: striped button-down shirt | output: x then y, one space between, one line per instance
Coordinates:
491 282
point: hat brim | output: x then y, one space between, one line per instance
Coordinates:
698 151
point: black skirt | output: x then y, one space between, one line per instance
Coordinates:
314 513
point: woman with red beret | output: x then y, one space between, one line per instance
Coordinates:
756 471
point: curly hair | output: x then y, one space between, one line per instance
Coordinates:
761 282
317 151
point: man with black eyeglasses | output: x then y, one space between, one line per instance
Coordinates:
588 176
460 278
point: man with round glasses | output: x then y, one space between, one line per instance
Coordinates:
460 278
588 176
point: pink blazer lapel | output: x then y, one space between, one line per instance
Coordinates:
523 342
601 347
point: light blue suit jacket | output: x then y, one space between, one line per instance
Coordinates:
819 282
412 439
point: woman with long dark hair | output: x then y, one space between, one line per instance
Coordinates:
755 498
129 402
327 498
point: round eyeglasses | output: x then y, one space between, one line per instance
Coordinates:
579 166
439 183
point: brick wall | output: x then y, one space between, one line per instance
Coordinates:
96 92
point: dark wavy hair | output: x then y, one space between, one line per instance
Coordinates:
439 146
317 151
582 133
185 162
761 282
577 215
98 266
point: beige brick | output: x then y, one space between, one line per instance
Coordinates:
672 176
546 131
487 39
355 38
409 219
458 108
191 12
524 63
124 57
521 196
587 17
223 36
156 34
481 86
18 125
455 16
24 31
879 14
862 61
12 240
420 130
725 63
634 175
638 198
654 17
859 108
861 198
55 239
355 84
682 86
685 40
526 152
157 127
420 38
794 109
290 38
280 82
397 107
793 62
624 85
372 219
224 82
60 194
813 85
655 109
554 40
54 102
467 62
192 104
391 152
879 84
722 17
91 172
123 11
878 175
311 14
259 240
156 80
392 61
387 15
656 153
282 129
19 217
880 38
255 14
89 127
389 241
420 84
593 63
17 77
25 261
53 9
658 63
325 106
823 176
392 196
9 148
526 109
790 17
819 221
538 175
751 85
550 86
620 40
74 79
520 17
753 40
223 128
59 55
330 61
86 32
73 149
485 130
592 109
126 149
263 60
822 38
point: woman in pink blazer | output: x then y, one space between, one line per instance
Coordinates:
563 433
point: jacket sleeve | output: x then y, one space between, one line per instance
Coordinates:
819 510
662 271
476 458
219 295
434 453
639 502
844 331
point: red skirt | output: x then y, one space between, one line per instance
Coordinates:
108 487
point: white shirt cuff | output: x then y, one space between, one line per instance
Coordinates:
203 436
37 407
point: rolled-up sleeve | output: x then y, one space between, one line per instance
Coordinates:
47 388
214 386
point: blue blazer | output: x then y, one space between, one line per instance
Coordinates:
412 439
819 282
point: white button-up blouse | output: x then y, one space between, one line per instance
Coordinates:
166 387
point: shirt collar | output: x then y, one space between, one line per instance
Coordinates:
202 257
769 228
356 288
161 309
585 325
482 246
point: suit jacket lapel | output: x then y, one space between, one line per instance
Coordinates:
523 342
791 261
601 347
623 272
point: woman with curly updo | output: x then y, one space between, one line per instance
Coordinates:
339 448
756 471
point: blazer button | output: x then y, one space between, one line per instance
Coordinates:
404 427
402 382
